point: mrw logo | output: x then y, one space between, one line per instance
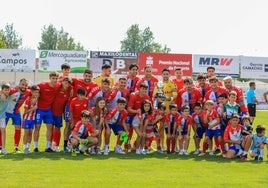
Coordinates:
43 54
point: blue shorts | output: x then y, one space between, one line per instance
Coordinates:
171 130
16 118
255 150
210 133
28 124
67 113
45 115
129 120
116 128
236 148
57 121
72 137
184 133
200 132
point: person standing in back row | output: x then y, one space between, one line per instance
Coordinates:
251 101
106 71
4 100
149 80
48 92
18 95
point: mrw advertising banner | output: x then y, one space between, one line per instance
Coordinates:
224 65
254 67
159 61
119 61
17 60
51 60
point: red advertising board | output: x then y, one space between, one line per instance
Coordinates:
159 61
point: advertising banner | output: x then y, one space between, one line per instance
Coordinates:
119 61
51 60
159 61
254 67
12 60
224 65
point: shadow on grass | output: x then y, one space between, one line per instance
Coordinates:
129 156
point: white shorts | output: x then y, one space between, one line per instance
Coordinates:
3 123
136 121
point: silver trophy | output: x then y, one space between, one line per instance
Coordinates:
159 96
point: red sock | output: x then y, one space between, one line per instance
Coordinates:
168 144
173 145
149 142
217 143
135 144
222 147
205 146
58 137
158 143
126 146
54 135
130 132
17 137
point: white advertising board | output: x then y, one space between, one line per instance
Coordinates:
51 60
224 65
254 67
12 60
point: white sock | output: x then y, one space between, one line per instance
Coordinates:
25 146
35 144
48 145
28 145
261 153
245 153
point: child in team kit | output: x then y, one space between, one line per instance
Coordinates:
30 106
80 134
116 121
258 143
212 118
98 115
159 116
183 127
140 123
170 125
4 99
199 127
222 100
231 107
247 127
237 145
